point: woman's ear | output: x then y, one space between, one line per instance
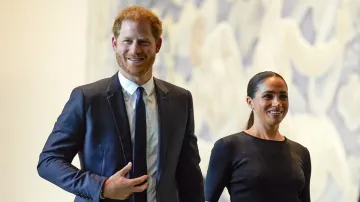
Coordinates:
249 102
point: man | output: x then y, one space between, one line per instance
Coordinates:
134 134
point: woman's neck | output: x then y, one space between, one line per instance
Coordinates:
266 132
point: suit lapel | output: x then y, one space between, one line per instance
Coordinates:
162 99
117 104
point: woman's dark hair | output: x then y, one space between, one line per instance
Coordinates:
253 87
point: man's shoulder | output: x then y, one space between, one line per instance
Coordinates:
98 87
172 87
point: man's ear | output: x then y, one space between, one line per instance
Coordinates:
158 43
249 102
113 42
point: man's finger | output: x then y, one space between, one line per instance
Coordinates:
140 188
138 180
125 169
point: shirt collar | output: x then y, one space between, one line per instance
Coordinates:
130 87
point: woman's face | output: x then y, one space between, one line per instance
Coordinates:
270 104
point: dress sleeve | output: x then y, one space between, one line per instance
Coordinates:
305 193
219 171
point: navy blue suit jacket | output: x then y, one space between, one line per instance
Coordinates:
94 125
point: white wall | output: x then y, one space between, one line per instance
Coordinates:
42 57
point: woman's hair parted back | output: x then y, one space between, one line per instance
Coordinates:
252 88
138 13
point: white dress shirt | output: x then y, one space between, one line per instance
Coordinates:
152 126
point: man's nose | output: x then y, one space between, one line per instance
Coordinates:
135 48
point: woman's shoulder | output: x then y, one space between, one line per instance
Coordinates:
233 139
229 144
297 147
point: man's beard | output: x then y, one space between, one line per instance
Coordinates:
140 70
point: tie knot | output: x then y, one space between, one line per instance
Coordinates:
139 91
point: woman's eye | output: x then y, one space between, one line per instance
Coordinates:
268 96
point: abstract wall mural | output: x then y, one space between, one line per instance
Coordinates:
213 47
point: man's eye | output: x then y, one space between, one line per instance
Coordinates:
283 96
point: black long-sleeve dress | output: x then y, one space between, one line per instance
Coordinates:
258 170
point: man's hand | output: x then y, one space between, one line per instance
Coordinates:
120 188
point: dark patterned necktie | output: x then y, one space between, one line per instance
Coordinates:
139 149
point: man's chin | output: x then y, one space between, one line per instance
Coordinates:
135 70
138 73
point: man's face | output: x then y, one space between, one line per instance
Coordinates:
135 49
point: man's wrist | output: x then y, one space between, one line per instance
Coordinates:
102 193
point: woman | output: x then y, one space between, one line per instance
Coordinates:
260 164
